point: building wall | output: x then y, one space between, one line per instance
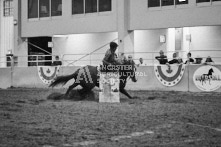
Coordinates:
7 36
137 27
73 47
20 44
68 23
0 21
142 17
204 41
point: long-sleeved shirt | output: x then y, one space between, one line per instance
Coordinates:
109 57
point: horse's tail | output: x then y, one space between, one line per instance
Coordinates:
63 79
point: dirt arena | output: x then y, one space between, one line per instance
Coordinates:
33 118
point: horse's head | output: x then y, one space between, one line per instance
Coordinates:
130 70
211 70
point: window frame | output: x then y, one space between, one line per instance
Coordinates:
50 16
7 10
208 3
93 12
175 3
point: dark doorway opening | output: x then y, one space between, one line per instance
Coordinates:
39 52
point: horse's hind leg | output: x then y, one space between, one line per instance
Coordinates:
84 92
70 88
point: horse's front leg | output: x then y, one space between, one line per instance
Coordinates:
122 90
70 88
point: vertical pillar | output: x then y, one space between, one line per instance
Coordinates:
20 44
125 37
15 24
1 34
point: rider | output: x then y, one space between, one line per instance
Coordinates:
110 58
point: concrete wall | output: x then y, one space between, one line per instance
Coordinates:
6 78
28 77
78 45
204 41
137 16
193 14
6 35
149 41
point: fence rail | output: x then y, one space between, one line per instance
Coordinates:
96 58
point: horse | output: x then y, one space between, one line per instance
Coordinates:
88 77
208 76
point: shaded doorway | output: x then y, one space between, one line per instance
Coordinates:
38 51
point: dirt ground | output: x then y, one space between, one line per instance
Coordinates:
33 118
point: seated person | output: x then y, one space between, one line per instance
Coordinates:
189 59
198 60
174 60
130 60
180 60
141 62
209 61
122 58
57 61
162 58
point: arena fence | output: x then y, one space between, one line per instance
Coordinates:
96 58
35 71
194 78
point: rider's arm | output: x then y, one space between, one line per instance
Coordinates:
104 61
106 57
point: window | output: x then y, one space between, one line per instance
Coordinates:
201 1
44 8
56 8
90 6
158 3
77 6
104 5
178 2
8 7
153 3
33 9
167 2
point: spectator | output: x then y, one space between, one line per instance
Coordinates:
198 60
180 60
122 58
57 61
141 62
189 59
174 60
130 60
162 58
209 61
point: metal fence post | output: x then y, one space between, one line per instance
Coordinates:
12 70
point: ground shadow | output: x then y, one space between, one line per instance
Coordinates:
74 95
